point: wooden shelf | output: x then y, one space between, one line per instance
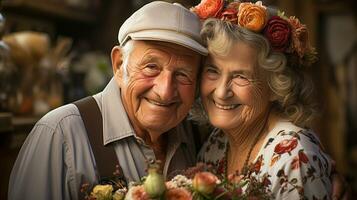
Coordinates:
47 8
5 122
10 123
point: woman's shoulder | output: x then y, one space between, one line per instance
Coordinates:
295 154
285 137
290 147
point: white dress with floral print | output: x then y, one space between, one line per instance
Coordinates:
290 156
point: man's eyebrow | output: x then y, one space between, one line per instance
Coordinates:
149 58
186 68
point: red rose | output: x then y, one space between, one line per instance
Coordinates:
230 15
286 146
278 32
208 8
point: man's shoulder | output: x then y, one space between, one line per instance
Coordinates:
67 113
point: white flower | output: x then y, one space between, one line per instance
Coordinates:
181 181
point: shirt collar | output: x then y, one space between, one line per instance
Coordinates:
116 124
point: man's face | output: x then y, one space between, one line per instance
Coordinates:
160 84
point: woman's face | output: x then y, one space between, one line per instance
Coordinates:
234 92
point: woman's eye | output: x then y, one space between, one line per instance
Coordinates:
211 73
241 80
238 76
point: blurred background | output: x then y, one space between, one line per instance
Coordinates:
53 52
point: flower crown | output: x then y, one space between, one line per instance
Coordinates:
285 34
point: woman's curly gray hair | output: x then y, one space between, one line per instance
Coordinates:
291 87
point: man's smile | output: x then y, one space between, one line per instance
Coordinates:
156 103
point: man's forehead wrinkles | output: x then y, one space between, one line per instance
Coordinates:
159 54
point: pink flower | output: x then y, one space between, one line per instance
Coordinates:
170 185
204 182
178 194
230 15
138 193
208 8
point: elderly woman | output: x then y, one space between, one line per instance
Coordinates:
255 92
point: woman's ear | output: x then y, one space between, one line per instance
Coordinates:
117 61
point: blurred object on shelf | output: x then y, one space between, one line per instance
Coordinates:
40 71
6 123
97 69
2 25
83 4
7 73
89 73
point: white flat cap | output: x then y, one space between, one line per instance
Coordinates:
162 21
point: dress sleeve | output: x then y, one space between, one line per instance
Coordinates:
40 171
300 173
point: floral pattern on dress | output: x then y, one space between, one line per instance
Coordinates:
291 161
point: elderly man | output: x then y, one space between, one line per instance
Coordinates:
155 76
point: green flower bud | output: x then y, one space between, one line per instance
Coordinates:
154 184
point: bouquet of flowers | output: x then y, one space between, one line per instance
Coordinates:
198 183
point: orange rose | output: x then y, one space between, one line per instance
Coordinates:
252 16
208 8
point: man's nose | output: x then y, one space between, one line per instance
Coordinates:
223 89
165 86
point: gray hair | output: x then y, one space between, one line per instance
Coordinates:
126 51
291 87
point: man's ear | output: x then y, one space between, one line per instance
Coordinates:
117 62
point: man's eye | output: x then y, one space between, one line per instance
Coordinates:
213 71
151 70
